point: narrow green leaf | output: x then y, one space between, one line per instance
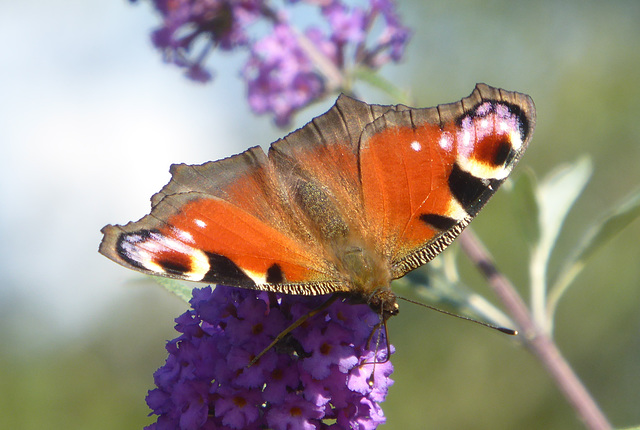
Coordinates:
555 196
438 285
525 205
596 237
621 217
176 287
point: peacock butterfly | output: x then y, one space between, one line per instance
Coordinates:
359 196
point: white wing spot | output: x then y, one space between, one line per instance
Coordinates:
446 141
466 139
184 236
146 251
415 145
200 223
199 265
258 278
516 140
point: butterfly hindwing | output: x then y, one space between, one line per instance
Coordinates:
427 172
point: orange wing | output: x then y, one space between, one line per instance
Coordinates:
360 195
224 222
426 173
254 221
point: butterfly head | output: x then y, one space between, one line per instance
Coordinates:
384 302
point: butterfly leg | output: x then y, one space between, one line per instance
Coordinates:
382 323
296 324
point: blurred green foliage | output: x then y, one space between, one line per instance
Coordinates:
96 380
579 60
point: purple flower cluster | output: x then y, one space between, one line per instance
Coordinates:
320 376
287 68
281 77
190 25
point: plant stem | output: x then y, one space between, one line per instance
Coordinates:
536 340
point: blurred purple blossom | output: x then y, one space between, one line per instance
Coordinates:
281 78
320 376
288 68
200 25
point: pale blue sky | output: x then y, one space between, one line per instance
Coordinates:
90 120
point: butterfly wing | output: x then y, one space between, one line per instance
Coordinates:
224 222
254 221
319 165
359 188
425 173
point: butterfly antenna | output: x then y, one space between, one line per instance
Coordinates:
293 326
505 330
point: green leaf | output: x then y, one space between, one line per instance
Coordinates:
613 223
438 285
555 196
596 237
525 205
174 286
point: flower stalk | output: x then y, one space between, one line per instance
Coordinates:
534 337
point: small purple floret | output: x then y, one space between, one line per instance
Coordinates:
192 28
288 67
281 78
320 376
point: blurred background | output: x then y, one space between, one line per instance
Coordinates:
91 119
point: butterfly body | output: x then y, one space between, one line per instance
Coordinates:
354 199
